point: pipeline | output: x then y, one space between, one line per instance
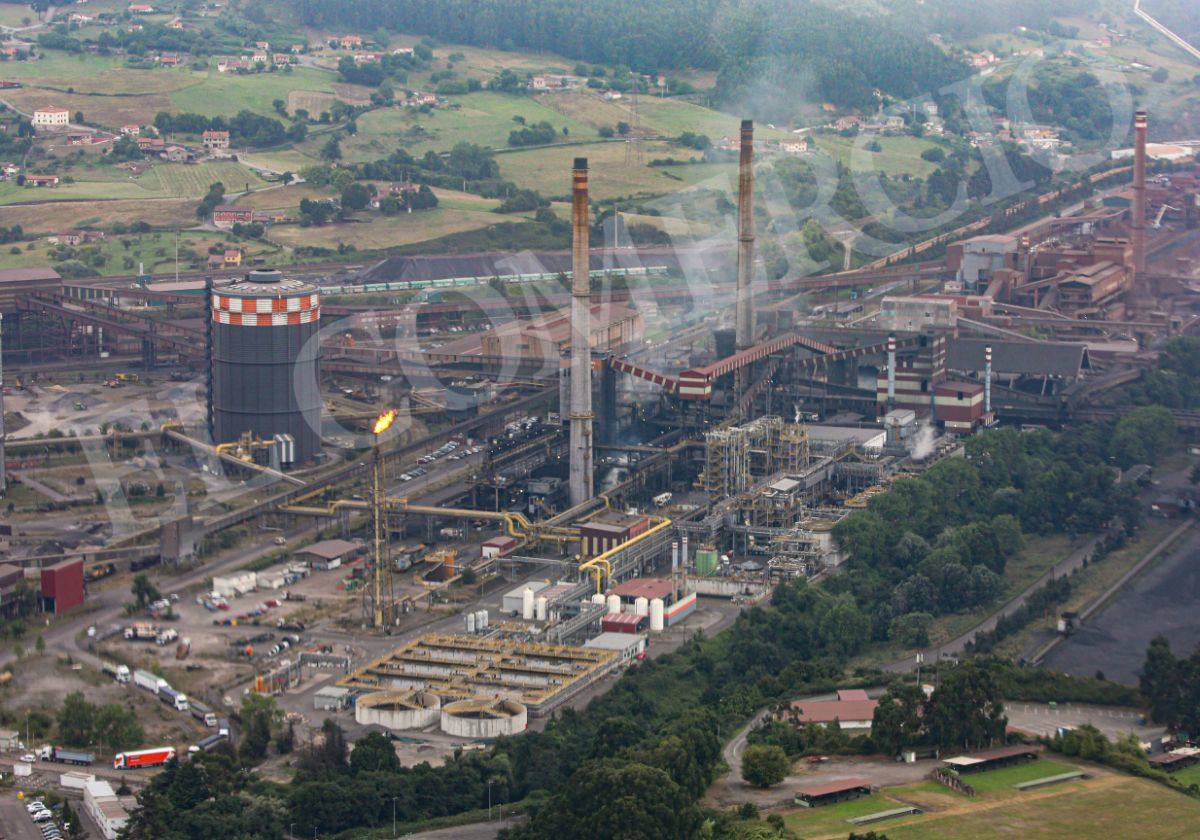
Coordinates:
605 558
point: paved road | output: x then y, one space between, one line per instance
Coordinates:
14 820
1113 721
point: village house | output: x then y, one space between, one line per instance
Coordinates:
51 117
76 237
226 216
298 48
846 123
151 144
262 45
9 170
176 154
175 23
169 59
226 65
556 83
233 259
41 180
402 51
215 141
793 145
612 95
141 9
131 130
418 99
367 57
350 42
282 59
259 58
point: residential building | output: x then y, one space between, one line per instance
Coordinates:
141 9
233 258
41 180
215 141
226 215
350 42
131 130
51 117
852 709
259 58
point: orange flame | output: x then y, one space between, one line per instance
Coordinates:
384 421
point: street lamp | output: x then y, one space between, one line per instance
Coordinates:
393 817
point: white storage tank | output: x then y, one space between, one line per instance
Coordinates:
470 622
542 605
657 615
614 604
481 620
598 599
527 604
641 606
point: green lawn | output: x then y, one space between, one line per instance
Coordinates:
1188 775
1004 779
154 251
831 819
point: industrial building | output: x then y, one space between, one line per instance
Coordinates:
537 676
853 710
637 595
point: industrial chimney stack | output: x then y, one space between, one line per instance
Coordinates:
744 333
1139 194
581 329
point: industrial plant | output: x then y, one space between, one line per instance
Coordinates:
465 491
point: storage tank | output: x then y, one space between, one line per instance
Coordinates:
614 604
706 561
481 620
542 604
641 606
598 599
657 615
470 622
527 604
265 361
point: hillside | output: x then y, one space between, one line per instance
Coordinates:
773 54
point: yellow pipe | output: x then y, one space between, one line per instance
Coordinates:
604 557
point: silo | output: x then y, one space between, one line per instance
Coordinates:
527 604
470 622
542 605
657 615
265 361
599 599
641 606
481 620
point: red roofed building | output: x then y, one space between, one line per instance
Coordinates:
852 709
215 140
678 604
226 215
62 586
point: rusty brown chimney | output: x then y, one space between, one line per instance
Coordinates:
744 312
580 411
1138 226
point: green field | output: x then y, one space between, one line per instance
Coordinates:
484 118
385 231
1004 779
898 155
153 251
831 819
1188 775
159 182
1111 808
224 94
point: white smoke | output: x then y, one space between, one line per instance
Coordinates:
922 441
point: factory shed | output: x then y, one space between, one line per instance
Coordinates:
513 599
331 698
828 793
329 554
1055 359
625 622
993 759
1175 759
627 646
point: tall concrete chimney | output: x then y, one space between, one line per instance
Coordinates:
744 336
891 374
581 330
1139 194
3 452
987 379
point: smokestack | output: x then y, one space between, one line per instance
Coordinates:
581 330
674 556
891 375
987 379
744 314
683 554
1139 193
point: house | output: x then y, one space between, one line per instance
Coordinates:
233 258
298 48
402 51
350 42
81 139
76 17
169 59
226 215
281 59
175 23
794 145
612 95
852 709
215 140
846 123
41 180
151 144
262 45
894 123
76 237
141 9
176 154
259 58
9 170
368 57
216 261
51 117
131 130
418 99
226 65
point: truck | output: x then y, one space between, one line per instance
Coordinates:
58 754
223 727
141 631
118 672
203 714
100 571
207 744
154 757
174 698
165 637
150 682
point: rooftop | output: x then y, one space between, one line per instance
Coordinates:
648 588
837 786
330 549
827 711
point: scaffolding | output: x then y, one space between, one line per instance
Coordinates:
737 456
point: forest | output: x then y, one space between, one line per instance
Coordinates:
779 52
1182 16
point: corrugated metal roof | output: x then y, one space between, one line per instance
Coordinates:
1060 359
838 786
28 275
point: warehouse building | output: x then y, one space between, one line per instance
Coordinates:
62 586
609 530
329 554
678 603
629 647
827 793
853 710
